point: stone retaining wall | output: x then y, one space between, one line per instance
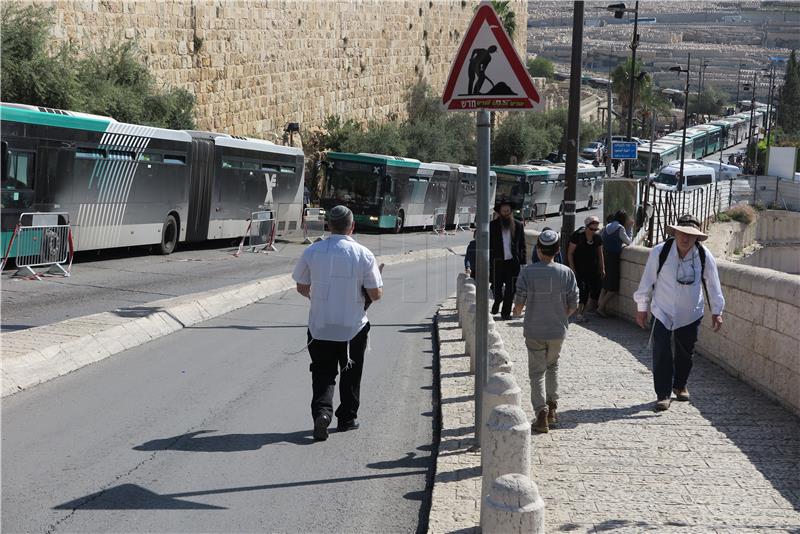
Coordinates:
759 340
256 65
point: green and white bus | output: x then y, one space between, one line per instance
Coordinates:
385 192
537 190
128 185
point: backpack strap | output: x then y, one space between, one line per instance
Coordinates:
701 252
662 256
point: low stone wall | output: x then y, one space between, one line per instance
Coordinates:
778 226
759 340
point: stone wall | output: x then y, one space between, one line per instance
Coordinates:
759 338
256 65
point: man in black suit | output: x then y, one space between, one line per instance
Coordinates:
507 252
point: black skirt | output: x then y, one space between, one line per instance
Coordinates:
611 281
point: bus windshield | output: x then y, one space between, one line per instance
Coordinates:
354 182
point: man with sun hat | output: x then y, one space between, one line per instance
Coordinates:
672 285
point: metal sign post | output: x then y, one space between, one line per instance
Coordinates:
486 74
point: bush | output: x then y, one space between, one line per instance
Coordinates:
741 213
112 82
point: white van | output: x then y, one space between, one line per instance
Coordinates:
694 176
723 171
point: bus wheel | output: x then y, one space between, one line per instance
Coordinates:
169 235
590 204
399 222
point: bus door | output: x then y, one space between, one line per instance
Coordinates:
201 181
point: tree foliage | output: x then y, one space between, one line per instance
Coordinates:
112 82
710 102
789 106
540 67
620 84
506 15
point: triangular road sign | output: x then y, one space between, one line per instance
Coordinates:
487 72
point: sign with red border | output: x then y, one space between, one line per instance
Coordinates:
487 72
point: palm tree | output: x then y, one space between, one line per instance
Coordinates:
507 16
621 83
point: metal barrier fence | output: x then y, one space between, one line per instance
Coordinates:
41 240
313 225
260 233
539 211
463 219
439 221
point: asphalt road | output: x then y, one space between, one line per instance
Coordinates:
209 429
121 278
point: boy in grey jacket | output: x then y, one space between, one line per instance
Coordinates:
549 294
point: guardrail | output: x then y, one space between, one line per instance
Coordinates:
313 225
41 239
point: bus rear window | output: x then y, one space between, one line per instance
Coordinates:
173 159
20 171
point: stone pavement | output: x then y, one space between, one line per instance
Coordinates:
729 461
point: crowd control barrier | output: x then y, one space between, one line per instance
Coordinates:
313 225
463 219
439 221
41 240
260 233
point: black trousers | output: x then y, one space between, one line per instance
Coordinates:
505 284
589 285
326 358
672 371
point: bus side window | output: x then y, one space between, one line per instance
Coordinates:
20 171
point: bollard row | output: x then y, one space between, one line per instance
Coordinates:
506 444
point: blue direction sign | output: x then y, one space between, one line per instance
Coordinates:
624 149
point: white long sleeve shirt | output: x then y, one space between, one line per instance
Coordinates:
673 303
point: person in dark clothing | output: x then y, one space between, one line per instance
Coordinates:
470 258
615 235
585 256
507 252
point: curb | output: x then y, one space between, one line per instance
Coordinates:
36 355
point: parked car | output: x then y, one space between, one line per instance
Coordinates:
592 150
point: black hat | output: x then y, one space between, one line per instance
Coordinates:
500 203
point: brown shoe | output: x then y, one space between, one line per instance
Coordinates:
663 404
551 413
541 423
681 394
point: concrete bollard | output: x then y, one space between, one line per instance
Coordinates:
467 287
469 332
499 361
468 296
459 293
500 388
493 338
513 505
505 445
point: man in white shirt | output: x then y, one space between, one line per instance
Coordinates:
672 286
336 274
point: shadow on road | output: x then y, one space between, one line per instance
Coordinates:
194 442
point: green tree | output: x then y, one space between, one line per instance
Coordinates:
789 106
710 102
620 84
506 15
112 82
513 141
30 74
540 67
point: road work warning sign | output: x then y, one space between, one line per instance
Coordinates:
487 72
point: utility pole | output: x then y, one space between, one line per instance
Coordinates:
610 121
573 126
685 117
634 45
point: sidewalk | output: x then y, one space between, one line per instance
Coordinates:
729 461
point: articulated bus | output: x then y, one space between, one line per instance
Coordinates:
701 140
462 193
128 185
391 192
535 190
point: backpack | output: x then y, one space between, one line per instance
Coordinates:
701 251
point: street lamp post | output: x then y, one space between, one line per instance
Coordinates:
769 102
619 10
679 70
738 81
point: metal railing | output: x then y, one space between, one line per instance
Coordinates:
313 225
41 240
